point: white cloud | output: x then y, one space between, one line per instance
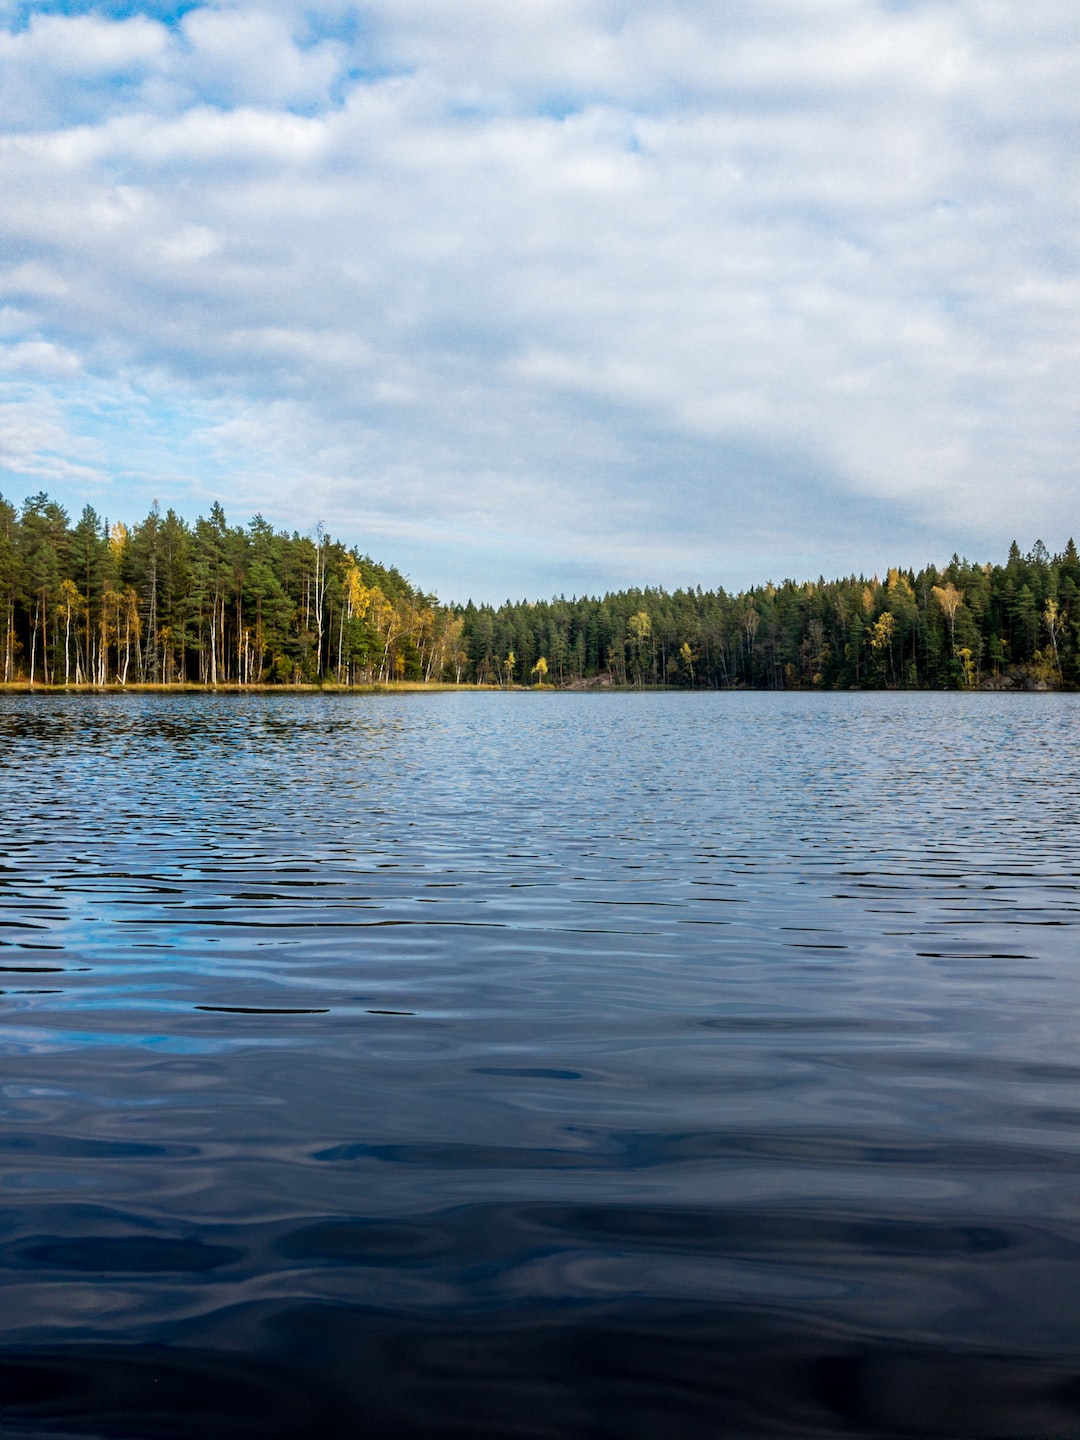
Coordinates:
555 276
61 66
81 46
39 359
250 57
38 446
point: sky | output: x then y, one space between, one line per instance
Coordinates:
529 297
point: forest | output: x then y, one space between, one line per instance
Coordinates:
166 602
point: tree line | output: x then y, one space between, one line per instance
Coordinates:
167 602
965 625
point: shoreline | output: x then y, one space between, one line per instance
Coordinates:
422 687
193 687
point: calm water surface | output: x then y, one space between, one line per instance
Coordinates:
540 1066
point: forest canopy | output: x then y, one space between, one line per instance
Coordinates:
165 602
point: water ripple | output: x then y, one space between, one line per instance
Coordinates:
638 1065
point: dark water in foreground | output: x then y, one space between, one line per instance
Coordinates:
540 1066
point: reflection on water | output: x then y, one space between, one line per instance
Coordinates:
540 1065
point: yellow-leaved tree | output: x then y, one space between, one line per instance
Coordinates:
355 600
72 605
950 600
1053 623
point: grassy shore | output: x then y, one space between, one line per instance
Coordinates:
189 687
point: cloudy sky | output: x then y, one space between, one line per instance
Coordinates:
529 296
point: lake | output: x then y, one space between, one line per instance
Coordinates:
540 1065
